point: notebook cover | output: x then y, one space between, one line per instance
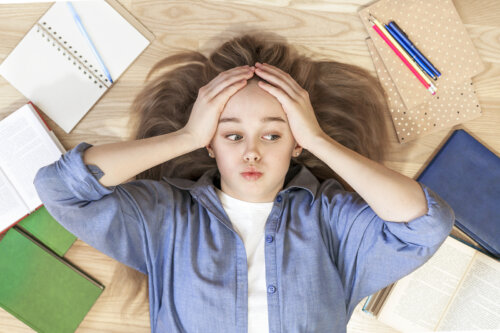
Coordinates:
41 225
466 175
41 289
437 30
450 107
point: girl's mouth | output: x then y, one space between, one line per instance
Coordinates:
251 175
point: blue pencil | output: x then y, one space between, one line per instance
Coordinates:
405 38
410 52
85 34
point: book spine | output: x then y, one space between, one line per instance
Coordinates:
38 111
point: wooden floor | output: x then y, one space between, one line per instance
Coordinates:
321 29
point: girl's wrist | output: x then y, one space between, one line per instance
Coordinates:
190 138
316 141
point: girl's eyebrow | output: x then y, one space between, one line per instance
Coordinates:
263 120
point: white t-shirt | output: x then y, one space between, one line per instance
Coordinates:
249 219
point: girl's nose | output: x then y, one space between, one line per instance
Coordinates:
252 157
252 153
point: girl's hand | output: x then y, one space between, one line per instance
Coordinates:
210 103
295 102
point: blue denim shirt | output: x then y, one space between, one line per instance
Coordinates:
325 247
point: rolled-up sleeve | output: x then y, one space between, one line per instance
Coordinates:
122 221
372 253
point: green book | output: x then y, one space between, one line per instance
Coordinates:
41 225
40 288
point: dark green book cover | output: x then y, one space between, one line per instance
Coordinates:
40 288
47 230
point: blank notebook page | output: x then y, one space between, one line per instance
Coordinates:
55 68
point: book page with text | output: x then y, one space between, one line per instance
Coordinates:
476 304
25 147
419 299
12 207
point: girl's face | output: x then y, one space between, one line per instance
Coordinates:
253 135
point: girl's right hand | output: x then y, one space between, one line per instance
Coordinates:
210 103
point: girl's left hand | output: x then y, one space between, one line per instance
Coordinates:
295 102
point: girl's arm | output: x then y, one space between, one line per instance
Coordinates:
130 222
392 196
123 160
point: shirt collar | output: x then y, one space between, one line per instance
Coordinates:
298 177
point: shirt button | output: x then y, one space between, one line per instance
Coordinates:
269 238
271 289
278 198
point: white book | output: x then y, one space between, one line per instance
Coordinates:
458 289
55 68
26 145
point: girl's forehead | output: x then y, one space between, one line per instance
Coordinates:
252 102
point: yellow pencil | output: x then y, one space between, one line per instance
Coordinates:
403 52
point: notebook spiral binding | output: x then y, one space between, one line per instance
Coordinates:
71 55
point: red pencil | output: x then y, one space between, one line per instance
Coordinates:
419 77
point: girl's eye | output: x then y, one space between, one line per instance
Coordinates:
276 137
227 136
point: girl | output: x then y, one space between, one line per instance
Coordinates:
252 239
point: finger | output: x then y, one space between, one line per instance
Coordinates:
223 76
277 81
225 79
280 95
226 93
275 69
279 78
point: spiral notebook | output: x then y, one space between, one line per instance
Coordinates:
55 68
438 32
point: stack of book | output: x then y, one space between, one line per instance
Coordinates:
37 284
458 288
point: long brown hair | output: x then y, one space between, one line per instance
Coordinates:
348 101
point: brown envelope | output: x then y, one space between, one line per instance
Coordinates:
437 31
453 105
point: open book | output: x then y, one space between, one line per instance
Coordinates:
457 289
26 145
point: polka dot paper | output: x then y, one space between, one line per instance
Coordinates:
449 107
437 31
